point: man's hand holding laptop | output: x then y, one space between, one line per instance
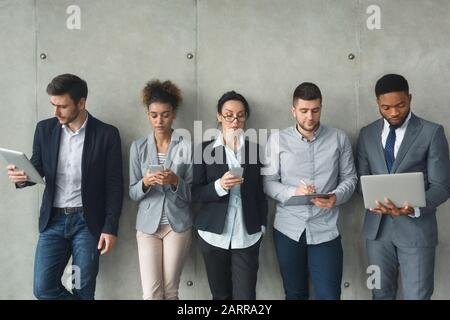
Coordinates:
388 207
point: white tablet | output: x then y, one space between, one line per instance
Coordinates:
20 160
398 187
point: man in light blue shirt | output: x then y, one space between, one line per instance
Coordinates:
309 158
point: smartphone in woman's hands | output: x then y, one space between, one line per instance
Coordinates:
154 168
237 172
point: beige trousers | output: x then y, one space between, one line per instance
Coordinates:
161 260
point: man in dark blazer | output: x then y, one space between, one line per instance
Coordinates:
403 239
80 158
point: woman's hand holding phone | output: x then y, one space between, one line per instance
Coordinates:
228 180
150 179
166 177
152 176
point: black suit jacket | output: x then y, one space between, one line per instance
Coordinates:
212 213
101 168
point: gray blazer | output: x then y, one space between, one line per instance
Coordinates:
424 149
176 203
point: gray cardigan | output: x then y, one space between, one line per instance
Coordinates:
176 203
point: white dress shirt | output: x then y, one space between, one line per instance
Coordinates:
68 172
234 235
399 135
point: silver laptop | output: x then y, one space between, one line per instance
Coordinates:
399 187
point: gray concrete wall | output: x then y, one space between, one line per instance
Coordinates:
261 48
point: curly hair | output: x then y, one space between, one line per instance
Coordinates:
163 92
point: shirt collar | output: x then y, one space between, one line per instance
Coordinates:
403 126
219 141
316 133
83 127
176 136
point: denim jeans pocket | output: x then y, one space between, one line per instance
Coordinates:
82 218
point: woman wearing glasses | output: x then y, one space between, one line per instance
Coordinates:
232 217
160 180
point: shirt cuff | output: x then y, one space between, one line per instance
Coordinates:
339 196
287 194
416 213
173 188
290 192
219 190
143 186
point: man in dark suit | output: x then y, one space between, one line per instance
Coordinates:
403 239
81 160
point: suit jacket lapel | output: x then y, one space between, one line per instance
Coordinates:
54 148
376 136
170 154
245 154
152 151
175 142
88 146
411 134
220 159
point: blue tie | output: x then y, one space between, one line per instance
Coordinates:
389 148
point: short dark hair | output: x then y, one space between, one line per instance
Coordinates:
233 95
307 91
162 92
69 84
391 83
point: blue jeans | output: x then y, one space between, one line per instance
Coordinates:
65 236
322 261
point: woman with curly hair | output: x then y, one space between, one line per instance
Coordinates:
160 181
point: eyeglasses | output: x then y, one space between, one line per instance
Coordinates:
231 118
